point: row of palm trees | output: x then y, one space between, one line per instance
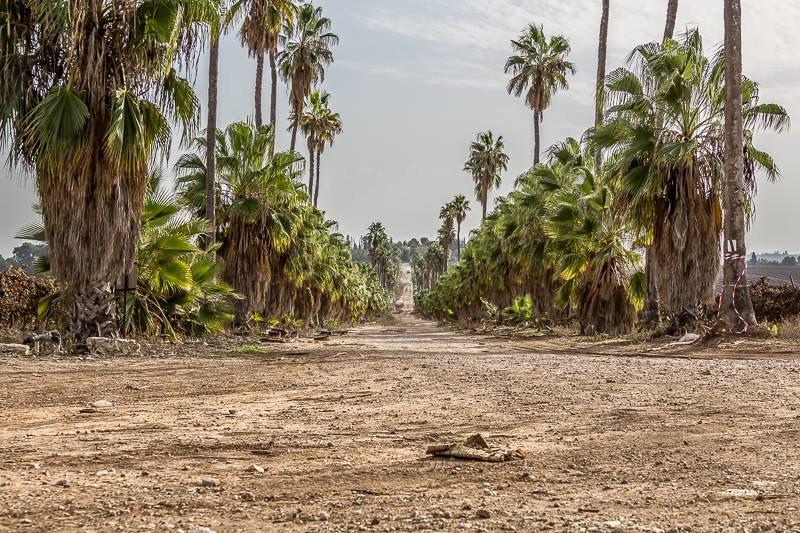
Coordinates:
660 171
383 257
90 92
298 42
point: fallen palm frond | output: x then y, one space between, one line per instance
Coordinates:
475 448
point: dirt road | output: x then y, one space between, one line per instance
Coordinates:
331 436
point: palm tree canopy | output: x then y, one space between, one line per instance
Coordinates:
264 20
307 53
319 122
539 67
460 206
486 163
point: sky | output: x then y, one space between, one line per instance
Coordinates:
416 80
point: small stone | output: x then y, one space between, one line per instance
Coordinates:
323 516
202 530
256 468
375 521
247 496
483 514
34 466
231 411
209 482
102 404
613 524
62 483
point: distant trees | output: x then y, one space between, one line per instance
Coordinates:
24 256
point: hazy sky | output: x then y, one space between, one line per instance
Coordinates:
415 80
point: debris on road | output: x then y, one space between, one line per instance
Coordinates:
475 448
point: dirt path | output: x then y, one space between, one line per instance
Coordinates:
340 429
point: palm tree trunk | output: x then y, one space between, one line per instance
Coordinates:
259 86
652 302
458 240
672 15
311 173
735 307
211 141
651 306
93 313
273 104
483 204
295 125
536 118
601 76
316 185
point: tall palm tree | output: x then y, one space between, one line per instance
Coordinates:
735 306
261 34
538 68
672 15
330 128
486 163
86 100
666 142
600 90
460 206
211 128
305 57
447 231
320 125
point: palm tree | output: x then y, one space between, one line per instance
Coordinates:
460 207
487 161
320 125
330 126
217 28
177 288
446 232
257 183
665 136
303 61
310 124
86 100
538 68
672 15
601 76
261 34
735 306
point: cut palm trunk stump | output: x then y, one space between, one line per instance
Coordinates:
475 448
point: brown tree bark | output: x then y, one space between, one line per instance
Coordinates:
211 141
458 240
672 15
735 307
273 106
601 78
295 125
311 173
536 120
259 88
316 185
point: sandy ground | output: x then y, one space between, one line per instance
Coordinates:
331 436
